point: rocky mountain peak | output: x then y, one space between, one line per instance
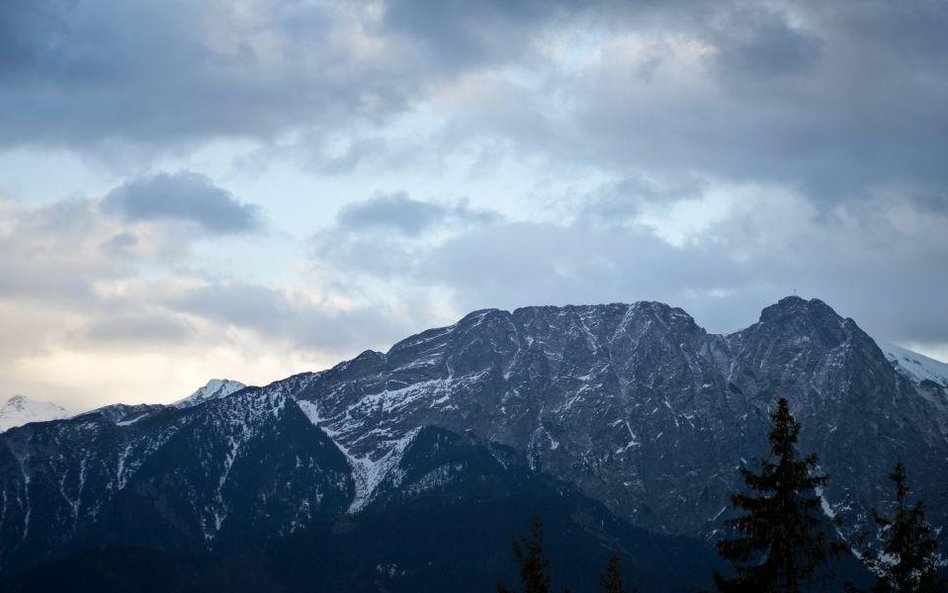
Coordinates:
364 362
795 325
213 389
18 400
19 410
805 317
804 350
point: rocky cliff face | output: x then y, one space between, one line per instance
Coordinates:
643 409
635 406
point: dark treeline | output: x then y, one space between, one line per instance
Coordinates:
780 540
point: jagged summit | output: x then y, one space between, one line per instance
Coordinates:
793 304
656 308
213 389
19 410
799 336
801 315
787 311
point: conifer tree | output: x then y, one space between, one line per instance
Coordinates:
535 569
907 560
611 578
780 542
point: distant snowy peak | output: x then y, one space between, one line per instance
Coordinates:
916 366
215 389
20 410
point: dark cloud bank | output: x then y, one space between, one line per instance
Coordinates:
836 98
185 197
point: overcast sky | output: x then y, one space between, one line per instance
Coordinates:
253 188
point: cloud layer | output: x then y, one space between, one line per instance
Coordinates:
835 98
400 213
278 185
763 248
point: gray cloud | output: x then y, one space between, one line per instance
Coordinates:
182 196
838 99
51 253
758 41
96 74
149 327
276 315
619 202
469 34
399 212
743 263
56 275
120 244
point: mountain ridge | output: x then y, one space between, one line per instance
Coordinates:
820 344
636 407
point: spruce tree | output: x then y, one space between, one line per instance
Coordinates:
611 578
907 559
780 541
535 569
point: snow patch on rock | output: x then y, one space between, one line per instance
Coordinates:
367 473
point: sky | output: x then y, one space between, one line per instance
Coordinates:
250 189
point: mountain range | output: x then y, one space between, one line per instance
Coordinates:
624 425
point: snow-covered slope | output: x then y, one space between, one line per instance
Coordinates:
215 388
20 410
917 367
